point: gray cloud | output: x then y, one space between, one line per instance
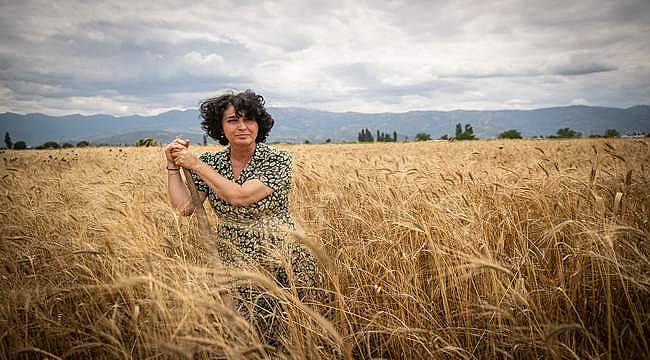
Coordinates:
357 74
572 68
583 69
367 80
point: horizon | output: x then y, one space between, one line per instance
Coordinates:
126 58
333 112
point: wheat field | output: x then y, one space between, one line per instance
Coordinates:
514 249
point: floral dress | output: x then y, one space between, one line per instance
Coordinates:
259 235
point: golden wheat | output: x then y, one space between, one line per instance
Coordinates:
485 249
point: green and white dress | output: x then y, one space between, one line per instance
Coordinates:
259 235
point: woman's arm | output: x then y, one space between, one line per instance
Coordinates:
179 195
248 193
237 195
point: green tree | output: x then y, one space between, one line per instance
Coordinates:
394 136
567 133
459 130
421 136
510 134
67 145
50 145
146 142
612 133
83 143
20 145
205 140
8 140
386 137
365 136
468 134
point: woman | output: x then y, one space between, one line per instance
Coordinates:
248 186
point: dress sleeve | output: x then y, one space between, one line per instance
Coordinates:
200 184
276 172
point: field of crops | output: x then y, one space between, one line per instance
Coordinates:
470 250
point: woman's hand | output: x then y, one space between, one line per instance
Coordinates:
173 147
183 157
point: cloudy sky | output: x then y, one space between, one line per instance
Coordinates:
132 57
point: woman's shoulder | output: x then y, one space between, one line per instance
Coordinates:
271 152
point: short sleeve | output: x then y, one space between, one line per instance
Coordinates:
198 182
276 171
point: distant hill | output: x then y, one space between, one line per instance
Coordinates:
297 124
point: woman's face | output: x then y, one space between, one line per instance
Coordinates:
239 131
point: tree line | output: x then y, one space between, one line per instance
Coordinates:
22 145
366 136
463 132
466 132
563 133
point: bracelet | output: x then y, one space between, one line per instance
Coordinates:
173 169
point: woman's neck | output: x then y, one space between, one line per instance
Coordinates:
242 153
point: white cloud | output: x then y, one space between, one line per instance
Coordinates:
580 101
199 64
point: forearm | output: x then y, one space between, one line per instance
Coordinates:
225 189
179 195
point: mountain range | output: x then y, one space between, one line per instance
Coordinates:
298 124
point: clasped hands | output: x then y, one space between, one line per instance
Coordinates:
178 154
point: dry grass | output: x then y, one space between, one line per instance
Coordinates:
491 249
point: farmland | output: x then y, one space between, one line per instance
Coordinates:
477 249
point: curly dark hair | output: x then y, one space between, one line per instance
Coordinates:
246 104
